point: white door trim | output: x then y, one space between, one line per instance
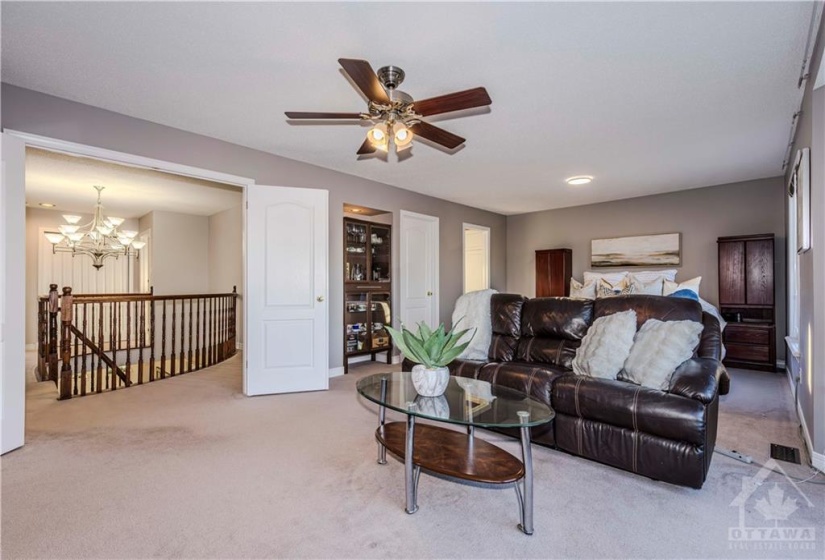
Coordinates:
129 159
434 252
12 285
464 227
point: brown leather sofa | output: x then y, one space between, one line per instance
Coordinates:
667 436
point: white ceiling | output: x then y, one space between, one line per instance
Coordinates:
130 192
647 97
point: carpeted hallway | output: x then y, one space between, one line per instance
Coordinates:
189 467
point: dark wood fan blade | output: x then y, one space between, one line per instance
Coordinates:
364 77
468 99
366 148
437 135
305 115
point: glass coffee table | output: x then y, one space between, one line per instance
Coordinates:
452 453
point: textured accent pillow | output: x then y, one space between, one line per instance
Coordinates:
606 289
579 290
652 287
687 294
660 347
692 284
606 345
611 277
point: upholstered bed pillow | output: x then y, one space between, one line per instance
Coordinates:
579 290
659 348
606 345
611 277
648 275
652 287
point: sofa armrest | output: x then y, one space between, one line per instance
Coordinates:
700 379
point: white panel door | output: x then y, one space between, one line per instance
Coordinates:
12 286
287 319
418 269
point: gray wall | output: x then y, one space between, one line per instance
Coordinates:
700 215
180 253
45 115
810 133
226 257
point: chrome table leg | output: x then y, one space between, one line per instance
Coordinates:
410 477
526 524
382 415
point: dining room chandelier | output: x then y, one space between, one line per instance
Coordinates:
100 238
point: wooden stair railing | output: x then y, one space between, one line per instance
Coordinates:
104 339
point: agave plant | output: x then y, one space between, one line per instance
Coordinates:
431 348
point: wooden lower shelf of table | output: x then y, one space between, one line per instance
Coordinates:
451 453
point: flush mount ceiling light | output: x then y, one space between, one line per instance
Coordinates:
99 239
47 205
397 117
579 180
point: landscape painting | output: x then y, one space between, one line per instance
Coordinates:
641 250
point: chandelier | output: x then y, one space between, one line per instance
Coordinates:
99 239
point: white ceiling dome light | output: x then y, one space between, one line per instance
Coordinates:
579 180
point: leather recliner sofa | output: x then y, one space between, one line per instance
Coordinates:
665 435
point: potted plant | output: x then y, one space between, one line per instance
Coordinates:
431 350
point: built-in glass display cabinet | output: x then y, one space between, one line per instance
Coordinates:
367 289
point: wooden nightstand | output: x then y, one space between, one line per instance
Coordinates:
751 346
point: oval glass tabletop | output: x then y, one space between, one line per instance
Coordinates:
466 401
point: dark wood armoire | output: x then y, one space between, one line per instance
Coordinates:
554 267
747 300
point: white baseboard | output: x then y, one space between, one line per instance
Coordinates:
239 346
336 371
817 459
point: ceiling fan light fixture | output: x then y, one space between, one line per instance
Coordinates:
579 180
378 134
402 136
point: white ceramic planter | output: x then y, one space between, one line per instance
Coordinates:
430 382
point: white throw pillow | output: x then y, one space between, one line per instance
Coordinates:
606 345
650 287
692 284
648 275
610 277
579 290
606 289
660 347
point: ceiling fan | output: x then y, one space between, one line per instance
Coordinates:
397 117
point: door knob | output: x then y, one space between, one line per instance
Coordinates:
320 298
429 293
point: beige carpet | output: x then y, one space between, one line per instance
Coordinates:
189 467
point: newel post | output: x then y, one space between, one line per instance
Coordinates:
233 343
53 306
66 310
